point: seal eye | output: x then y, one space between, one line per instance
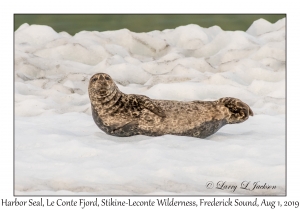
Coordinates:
106 77
95 79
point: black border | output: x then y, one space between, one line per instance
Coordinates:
170 196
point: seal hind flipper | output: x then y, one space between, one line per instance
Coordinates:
239 110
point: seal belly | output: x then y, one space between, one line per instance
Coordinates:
123 130
99 121
205 129
182 118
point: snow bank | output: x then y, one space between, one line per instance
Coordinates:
59 149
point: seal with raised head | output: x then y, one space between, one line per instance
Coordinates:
120 114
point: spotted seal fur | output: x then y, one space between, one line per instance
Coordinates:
120 114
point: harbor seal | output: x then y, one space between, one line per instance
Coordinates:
123 115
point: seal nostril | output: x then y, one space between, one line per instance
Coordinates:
100 77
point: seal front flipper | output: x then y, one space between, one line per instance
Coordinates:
155 109
148 104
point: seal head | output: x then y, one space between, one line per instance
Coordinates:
101 86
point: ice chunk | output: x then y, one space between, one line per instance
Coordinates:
262 26
36 35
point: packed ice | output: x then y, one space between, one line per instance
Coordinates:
60 150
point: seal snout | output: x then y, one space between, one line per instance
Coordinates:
103 77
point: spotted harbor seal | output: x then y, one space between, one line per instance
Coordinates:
120 114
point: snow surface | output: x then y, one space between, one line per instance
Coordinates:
60 150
